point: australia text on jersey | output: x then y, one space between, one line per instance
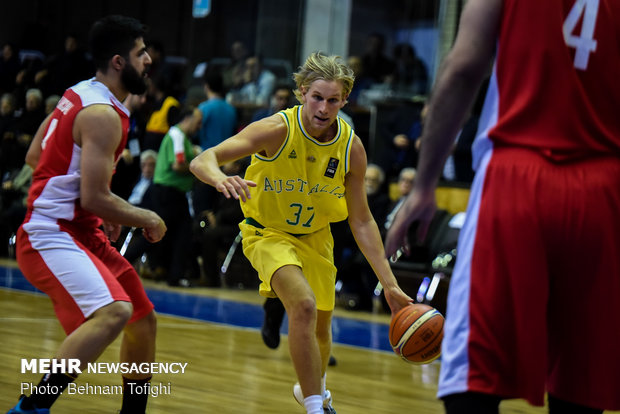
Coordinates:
279 185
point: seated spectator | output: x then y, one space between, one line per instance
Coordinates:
128 166
378 198
410 74
165 110
258 84
280 100
222 226
32 116
401 131
16 138
65 69
406 179
9 67
138 196
362 81
50 103
7 131
377 65
233 74
25 78
358 280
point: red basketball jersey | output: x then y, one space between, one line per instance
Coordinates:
55 190
554 86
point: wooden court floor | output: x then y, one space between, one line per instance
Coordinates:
229 369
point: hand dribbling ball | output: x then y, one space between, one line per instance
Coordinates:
416 332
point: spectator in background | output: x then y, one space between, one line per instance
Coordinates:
166 110
280 100
172 181
25 78
400 132
50 103
358 281
155 49
138 197
233 74
9 67
142 196
258 86
32 115
406 179
410 74
362 81
7 135
219 118
377 65
65 69
17 137
222 226
128 166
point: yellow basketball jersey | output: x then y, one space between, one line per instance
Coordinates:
301 188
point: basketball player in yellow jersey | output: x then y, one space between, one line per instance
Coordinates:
307 170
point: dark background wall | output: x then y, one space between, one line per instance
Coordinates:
271 27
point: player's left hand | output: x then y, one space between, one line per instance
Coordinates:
419 206
235 187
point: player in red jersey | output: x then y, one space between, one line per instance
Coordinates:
534 301
61 249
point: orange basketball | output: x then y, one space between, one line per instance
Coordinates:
416 332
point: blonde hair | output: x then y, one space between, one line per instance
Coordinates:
322 67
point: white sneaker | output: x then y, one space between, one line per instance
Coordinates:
327 399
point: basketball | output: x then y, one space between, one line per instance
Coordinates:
416 332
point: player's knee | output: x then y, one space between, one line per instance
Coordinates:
116 314
144 328
305 311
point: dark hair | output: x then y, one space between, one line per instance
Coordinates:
113 35
181 114
213 79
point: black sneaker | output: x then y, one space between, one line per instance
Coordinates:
19 409
274 314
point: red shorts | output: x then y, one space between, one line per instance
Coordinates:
534 301
80 272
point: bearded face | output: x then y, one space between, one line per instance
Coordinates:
134 82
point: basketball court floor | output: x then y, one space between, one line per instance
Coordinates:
228 369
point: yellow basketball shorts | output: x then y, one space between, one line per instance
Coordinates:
269 249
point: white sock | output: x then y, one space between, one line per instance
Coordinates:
323 387
314 404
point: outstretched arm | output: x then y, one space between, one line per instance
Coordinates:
365 230
264 136
460 77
